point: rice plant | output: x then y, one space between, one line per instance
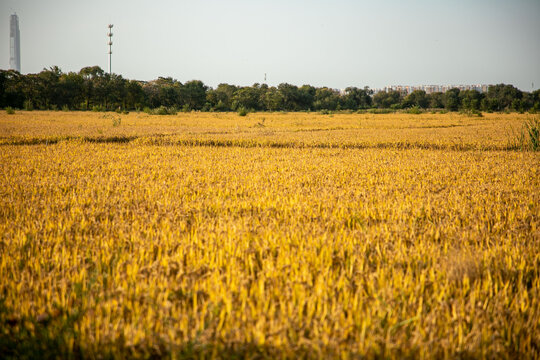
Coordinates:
203 236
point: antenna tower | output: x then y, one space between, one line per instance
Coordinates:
110 47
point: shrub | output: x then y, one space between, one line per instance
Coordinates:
380 111
415 110
469 112
65 108
10 111
97 108
28 106
162 110
476 113
242 111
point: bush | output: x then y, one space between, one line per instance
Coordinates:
476 113
10 111
119 110
207 107
242 111
415 110
65 108
469 112
162 110
28 106
97 108
380 111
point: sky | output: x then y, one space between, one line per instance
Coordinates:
335 43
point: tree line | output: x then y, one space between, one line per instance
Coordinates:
94 89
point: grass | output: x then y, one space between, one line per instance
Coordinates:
201 235
529 137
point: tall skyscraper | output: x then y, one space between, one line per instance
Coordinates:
14 44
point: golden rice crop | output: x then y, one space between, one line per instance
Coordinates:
447 131
300 235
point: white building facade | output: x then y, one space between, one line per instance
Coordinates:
14 44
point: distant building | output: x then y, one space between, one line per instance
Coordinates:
430 89
14 44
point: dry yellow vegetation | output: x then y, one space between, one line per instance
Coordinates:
431 131
268 236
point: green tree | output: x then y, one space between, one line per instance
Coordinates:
291 97
501 97
272 99
386 100
164 91
307 96
193 94
14 84
3 83
470 100
89 75
451 99
49 88
436 100
416 98
116 91
326 99
71 90
535 100
247 97
221 98
134 95
355 98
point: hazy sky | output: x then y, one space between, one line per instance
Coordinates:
335 43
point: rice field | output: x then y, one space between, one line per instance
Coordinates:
273 235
